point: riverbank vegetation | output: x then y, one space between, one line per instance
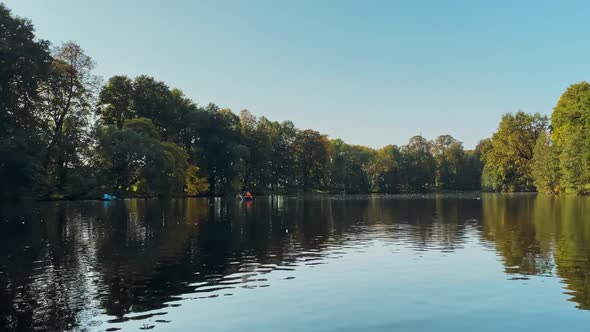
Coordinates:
66 133
530 152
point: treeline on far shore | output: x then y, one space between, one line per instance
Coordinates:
66 133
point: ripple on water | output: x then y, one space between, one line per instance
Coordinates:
93 265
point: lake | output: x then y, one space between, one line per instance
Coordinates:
495 262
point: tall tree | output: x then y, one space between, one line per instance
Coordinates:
509 156
449 156
470 177
311 157
153 100
222 152
390 180
134 160
189 121
195 184
572 111
418 164
122 153
24 64
570 122
574 165
255 171
351 168
116 101
68 98
545 166
282 160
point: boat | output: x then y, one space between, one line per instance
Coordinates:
107 197
244 198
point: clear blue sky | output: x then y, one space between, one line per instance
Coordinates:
369 72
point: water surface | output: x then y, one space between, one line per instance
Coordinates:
358 263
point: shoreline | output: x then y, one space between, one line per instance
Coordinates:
466 194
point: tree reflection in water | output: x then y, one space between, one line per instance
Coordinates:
66 263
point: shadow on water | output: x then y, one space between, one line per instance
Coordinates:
64 264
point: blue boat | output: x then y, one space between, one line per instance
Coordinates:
107 197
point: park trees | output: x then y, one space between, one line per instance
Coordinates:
148 107
449 156
417 165
133 159
545 165
350 167
573 162
271 157
570 123
195 184
24 65
508 155
116 101
381 161
222 151
67 100
390 180
151 139
470 178
153 100
311 151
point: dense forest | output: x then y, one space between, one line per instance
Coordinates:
67 133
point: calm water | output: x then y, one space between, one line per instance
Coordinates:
366 263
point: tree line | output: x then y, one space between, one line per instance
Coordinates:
64 133
531 152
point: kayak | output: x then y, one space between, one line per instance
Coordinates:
107 197
244 198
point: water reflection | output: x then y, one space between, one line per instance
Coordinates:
99 264
543 236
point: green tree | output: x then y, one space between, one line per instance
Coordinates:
282 159
470 177
378 163
509 156
449 156
255 172
116 101
24 64
572 111
417 165
390 180
154 100
165 174
311 151
491 178
574 165
68 97
195 183
270 152
143 126
570 122
222 151
120 156
545 165
351 167
134 160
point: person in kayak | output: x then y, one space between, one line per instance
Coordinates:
248 195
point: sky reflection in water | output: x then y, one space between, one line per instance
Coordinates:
372 263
